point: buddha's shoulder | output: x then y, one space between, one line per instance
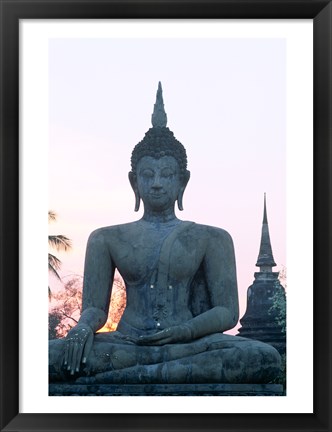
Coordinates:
123 232
113 232
210 232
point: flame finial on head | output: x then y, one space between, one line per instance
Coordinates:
159 117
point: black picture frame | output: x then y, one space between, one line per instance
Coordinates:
11 13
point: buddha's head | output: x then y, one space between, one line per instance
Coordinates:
159 161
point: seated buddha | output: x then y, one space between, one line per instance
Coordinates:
181 289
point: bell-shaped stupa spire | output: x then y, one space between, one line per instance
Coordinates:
265 257
261 320
159 117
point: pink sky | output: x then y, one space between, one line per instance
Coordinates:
226 102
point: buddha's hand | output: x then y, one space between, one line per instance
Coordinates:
78 344
176 334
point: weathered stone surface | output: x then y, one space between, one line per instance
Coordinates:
166 390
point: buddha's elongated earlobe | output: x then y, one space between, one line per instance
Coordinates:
132 179
182 189
137 201
180 199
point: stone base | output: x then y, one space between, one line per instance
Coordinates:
66 389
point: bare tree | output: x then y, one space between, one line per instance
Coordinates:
118 304
66 306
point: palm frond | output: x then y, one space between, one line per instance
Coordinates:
53 271
54 262
51 216
59 242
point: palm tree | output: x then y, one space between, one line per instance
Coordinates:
60 243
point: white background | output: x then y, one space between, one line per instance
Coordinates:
36 38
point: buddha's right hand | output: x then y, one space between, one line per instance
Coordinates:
78 344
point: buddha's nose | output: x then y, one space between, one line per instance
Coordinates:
157 183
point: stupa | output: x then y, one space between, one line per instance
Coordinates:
261 320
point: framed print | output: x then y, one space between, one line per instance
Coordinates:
247 91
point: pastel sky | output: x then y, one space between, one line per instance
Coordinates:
225 100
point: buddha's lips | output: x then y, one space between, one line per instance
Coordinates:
157 195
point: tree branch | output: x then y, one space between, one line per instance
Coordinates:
69 317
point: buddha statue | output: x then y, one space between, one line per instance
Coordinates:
181 288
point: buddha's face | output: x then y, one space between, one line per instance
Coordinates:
158 182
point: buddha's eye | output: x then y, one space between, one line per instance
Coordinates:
167 173
147 173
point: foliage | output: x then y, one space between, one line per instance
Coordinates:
278 309
60 243
118 304
66 307
54 321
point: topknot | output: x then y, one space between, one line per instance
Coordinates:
159 141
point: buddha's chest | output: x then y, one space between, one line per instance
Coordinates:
151 257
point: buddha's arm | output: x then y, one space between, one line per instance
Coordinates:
220 275
97 285
98 276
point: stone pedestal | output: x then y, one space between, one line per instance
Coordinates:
66 389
